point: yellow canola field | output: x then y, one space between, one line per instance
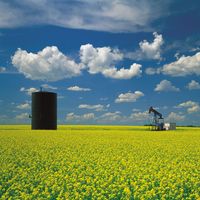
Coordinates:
99 162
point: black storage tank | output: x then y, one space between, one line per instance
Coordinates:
44 110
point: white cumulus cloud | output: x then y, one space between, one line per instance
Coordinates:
28 91
166 85
48 65
99 59
78 89
191 106
24 106
185 65
22 116
129 97
47 86
193 85
110 117
134 70
152 71
152 50
97 107
139 116
103 59
174 117
73 117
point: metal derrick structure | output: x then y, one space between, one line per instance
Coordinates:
157 122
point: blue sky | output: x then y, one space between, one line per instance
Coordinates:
108 61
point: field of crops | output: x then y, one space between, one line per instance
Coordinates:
99 162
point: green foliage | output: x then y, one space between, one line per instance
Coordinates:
99 162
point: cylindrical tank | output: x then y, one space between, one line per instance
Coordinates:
44 110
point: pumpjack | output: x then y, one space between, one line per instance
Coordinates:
157 123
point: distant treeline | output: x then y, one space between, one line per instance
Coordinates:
177 125
189 126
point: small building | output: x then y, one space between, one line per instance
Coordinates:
170 126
